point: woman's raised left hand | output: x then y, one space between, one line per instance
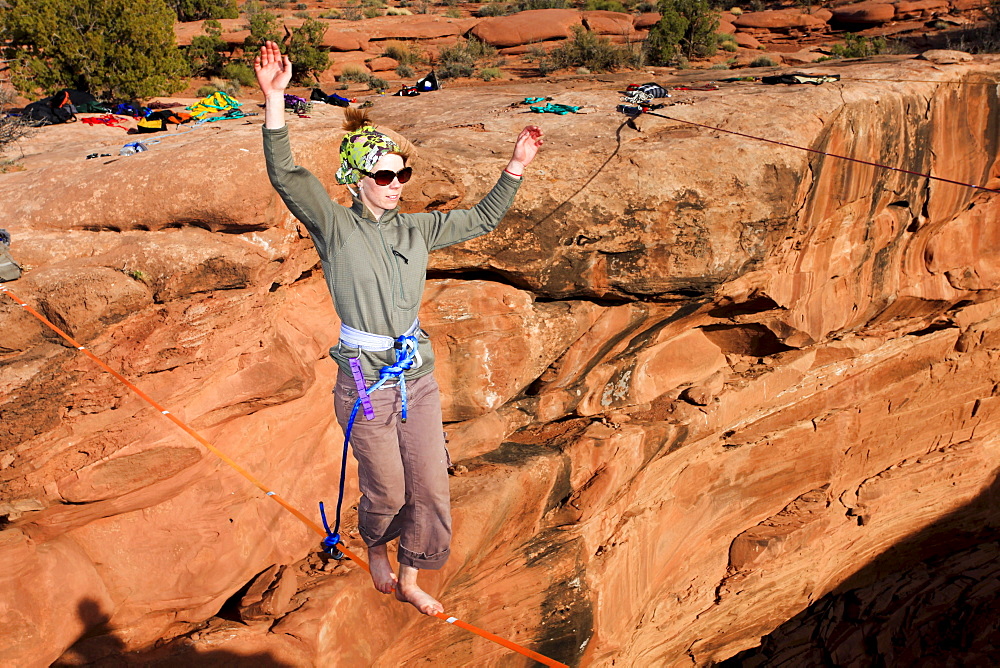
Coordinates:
525 149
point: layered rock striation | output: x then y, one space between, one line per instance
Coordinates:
693 383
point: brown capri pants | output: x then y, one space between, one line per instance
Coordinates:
402 470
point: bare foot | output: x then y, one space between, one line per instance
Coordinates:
409 592
381 570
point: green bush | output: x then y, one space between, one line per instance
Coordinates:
301 5
686 28
605 5
352 12
263 26
493 8
453 13
762 61
330 14
227 86
490 73
115 49
525 5
207 52
857 46
461 59
304 48
355 73
405 72
206 90
371 12
402 53
196 10
301 15
590 50
728 43
240 73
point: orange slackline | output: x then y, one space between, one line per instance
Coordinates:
284 504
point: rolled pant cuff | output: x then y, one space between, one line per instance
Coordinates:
375 541
421 561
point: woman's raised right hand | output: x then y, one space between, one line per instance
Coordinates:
273 70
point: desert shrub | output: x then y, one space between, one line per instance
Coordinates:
590 50
377 84
301 5
540 57
227 86
461 59
398 11
762 61
403 53
686 28
352 12
301 15
196 10
263 26
206 90
12 128
277 4
858 46
241 73
405 72
453 13
605 5
490 73
129 50
493 8
728 43
330 14
207 52
304 47
525 5
371 12
355 73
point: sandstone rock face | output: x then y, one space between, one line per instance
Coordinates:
697 387
779 19
864 12
536 25
383 64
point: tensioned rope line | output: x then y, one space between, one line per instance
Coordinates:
831 155
243 472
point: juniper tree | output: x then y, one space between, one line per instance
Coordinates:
114 49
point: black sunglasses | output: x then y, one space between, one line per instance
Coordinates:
384 177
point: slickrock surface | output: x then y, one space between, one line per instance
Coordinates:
699 389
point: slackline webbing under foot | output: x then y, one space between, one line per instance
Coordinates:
812 150
503 642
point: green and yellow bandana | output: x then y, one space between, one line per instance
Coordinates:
360 150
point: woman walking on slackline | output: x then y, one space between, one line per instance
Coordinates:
375 260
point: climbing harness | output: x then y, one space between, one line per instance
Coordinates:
633 112
270 494
407 357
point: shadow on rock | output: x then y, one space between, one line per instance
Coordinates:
100 647
933 599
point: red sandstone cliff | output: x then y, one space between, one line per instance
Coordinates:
694 382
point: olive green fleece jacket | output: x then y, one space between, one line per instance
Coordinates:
376 269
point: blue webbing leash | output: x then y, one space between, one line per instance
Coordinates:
406 347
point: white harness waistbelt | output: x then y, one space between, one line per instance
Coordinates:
355 338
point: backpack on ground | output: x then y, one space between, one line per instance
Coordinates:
9 270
